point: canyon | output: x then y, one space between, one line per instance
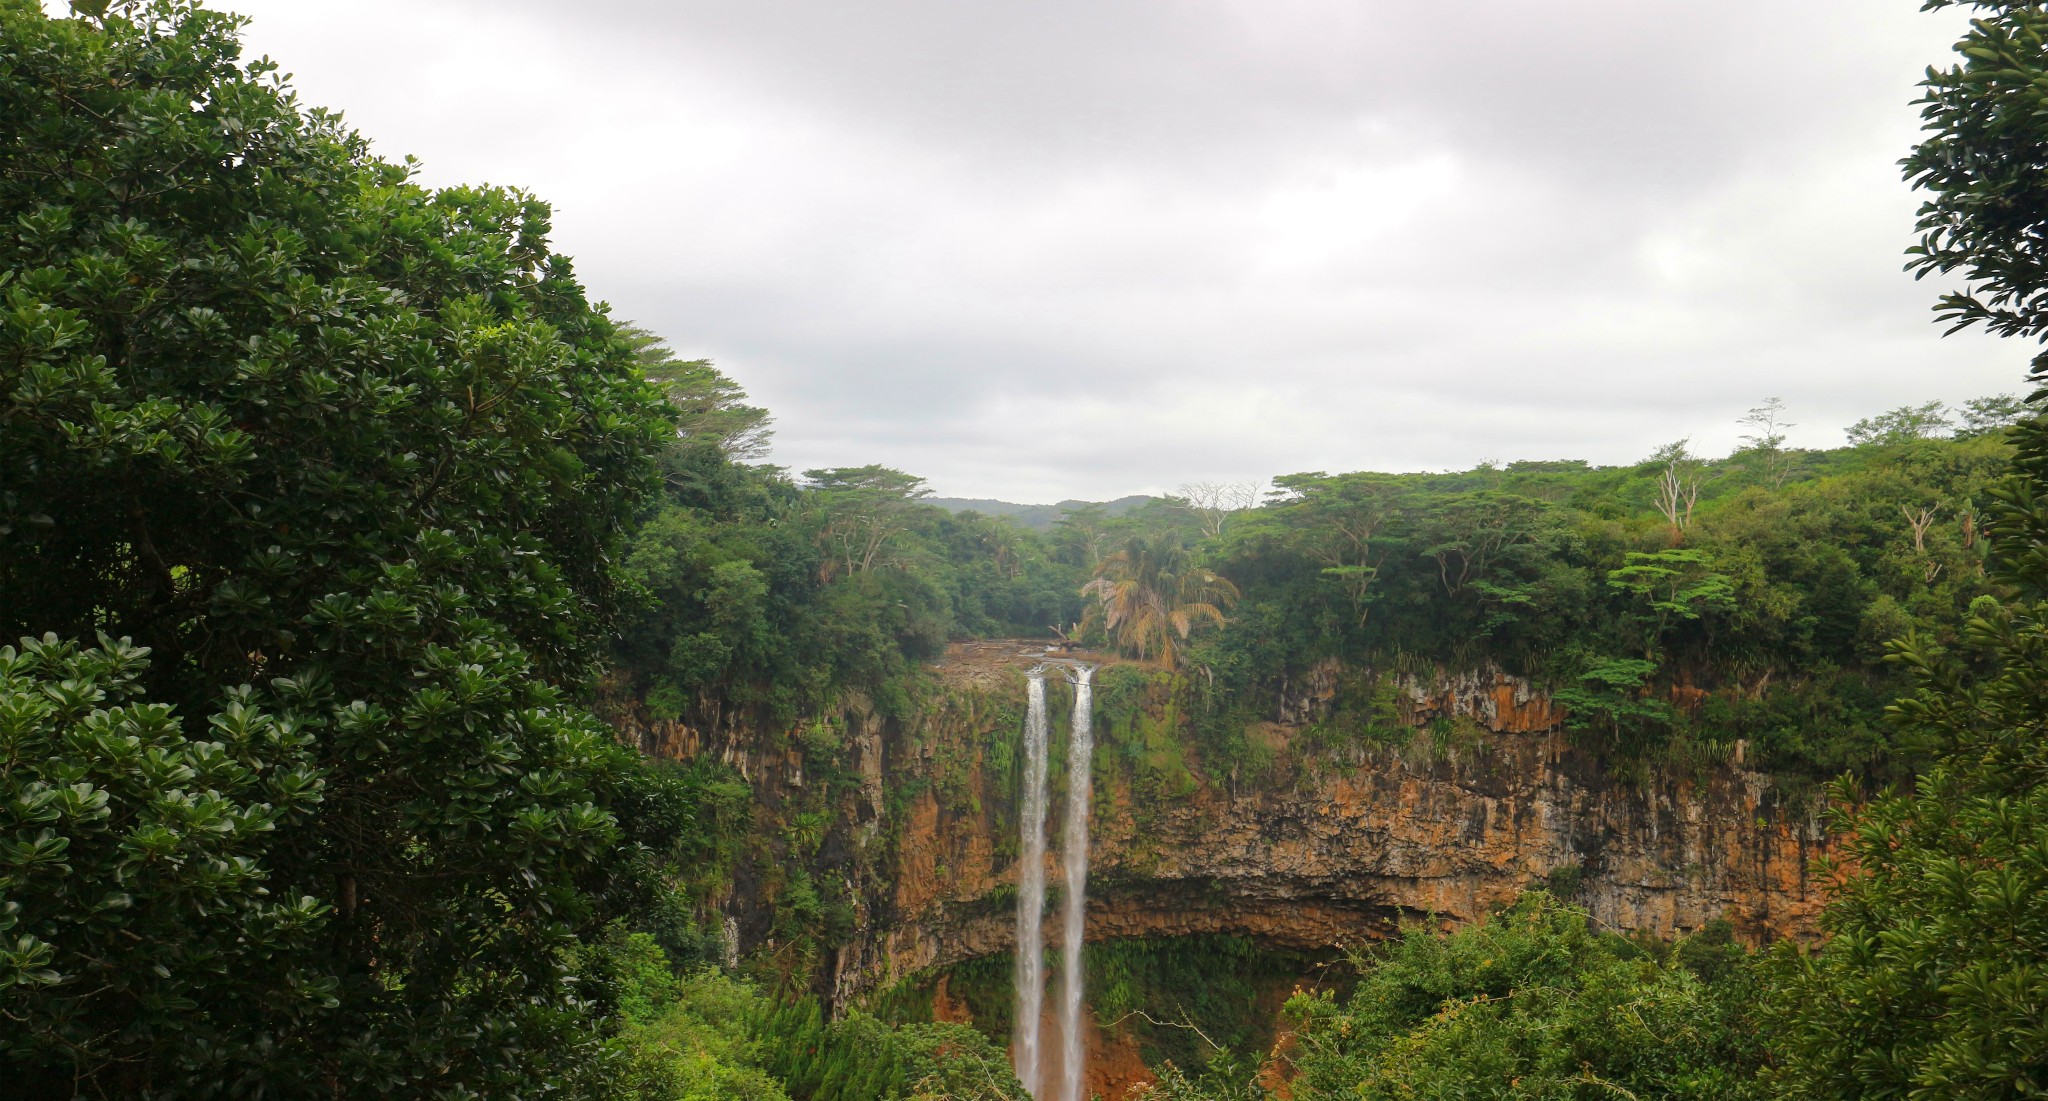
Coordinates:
1323 843
1319 854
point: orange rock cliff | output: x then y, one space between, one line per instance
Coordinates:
1317 846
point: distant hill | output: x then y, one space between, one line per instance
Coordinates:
1035 517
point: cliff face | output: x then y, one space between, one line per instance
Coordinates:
1321 845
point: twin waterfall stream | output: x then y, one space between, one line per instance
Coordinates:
1026 1050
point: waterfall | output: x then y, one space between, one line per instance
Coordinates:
1024 1050
1074 855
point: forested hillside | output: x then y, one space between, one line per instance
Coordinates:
1681 600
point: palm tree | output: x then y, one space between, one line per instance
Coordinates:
1150 596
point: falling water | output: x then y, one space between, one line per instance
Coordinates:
1074 855
1024 1052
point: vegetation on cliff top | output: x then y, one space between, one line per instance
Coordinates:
1759 613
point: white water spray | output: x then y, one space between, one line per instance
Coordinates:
1074 854
1024 1050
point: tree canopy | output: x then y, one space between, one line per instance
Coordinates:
1531 1003
350 458
1935 973
1151 595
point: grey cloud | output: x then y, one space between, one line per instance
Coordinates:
1064 248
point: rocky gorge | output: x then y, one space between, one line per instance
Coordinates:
1318 847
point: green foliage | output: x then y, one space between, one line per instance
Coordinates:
1609 695
1215 1083
677 1037
710 408
1531 1003
1365 715
1992 415
1192 1002
700 1047
1140 723
1671 586
288 419
248 365
697 1034
354 461
1563 881
685 827
1796 567
1150 595
1902 425
1984 137
1933 980
135 891
775 598
859 1058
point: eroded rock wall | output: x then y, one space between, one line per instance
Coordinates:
1321 846
1332 849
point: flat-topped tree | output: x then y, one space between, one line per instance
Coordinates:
865 509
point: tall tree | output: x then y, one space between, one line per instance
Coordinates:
1993 414
1766 437
288 419
1212 503
1678 487
1150 596
1902 425
1671 587
1467 534
865 509
1936 974
1343 522
1080 534
710 407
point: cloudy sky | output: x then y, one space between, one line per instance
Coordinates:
1092 247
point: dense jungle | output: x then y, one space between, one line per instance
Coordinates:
419 684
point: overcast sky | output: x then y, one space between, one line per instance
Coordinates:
1061 248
